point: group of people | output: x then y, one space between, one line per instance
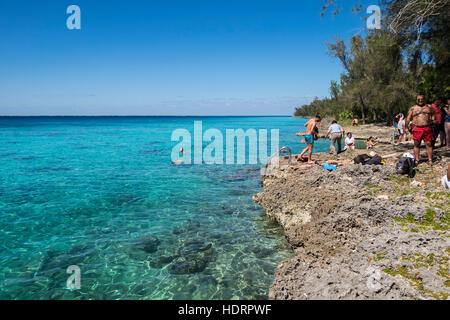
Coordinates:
312 134
440 125
424 122
336 133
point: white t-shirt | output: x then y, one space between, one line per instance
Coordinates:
335 128
349 141
401 125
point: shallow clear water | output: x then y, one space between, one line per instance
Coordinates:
101 193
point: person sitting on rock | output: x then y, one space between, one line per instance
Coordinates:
349 142
370 143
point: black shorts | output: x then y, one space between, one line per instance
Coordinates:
436 128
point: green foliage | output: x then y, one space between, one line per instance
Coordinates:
385 70
417 261
344 115
406 221
377 257
439 195
429 222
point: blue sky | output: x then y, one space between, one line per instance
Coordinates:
167 57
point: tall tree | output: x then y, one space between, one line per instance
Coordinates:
386 68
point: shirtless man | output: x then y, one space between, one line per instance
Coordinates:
421 116
311 130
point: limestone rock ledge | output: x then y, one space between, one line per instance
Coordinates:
361 232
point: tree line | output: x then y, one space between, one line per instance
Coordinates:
385 69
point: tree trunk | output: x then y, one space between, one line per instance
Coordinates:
390 120
363 107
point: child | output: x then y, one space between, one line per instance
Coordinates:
370 143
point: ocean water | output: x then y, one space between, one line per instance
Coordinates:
101 193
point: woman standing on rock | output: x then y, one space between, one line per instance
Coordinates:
401 128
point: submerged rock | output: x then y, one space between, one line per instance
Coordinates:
261 252
194 246
193 257
161 261
178 230
244 174
149 244
188 264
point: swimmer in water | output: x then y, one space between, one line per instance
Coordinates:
178 162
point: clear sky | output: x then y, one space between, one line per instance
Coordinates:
167 57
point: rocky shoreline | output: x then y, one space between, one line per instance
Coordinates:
361 232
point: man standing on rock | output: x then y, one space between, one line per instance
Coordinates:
421 117
336 132
311 130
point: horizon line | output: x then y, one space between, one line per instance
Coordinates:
186 116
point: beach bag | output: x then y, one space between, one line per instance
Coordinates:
409 155
405 166
375 160
362 158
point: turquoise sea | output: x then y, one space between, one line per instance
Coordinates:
101 193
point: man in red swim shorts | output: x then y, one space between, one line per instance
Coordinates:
421 116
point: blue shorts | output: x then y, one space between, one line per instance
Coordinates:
309 138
